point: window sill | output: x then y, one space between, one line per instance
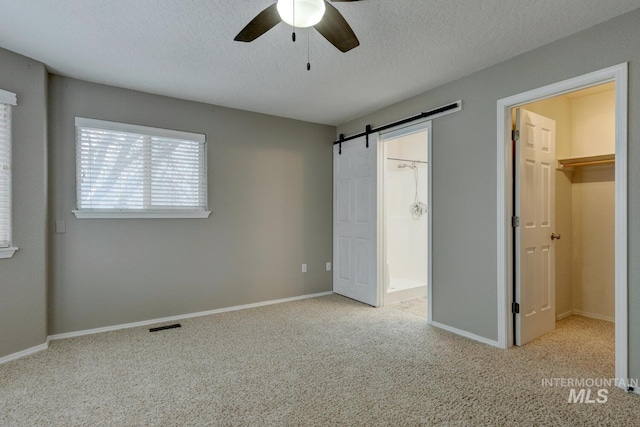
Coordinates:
150 215
7 252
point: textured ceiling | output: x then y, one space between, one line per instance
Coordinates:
185 48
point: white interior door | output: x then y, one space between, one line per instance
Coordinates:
534 206
355 220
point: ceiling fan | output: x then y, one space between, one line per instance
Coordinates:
319 14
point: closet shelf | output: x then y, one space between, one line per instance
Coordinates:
586 160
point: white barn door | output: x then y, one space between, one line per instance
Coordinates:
355 220
534 237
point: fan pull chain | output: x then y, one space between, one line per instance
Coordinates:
293 27
308 50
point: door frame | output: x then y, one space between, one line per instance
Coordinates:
383 137
619 75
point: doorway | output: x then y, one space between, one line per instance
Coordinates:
508 272
405 214
573 273
360 250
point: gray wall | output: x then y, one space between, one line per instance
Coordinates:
23 317
270 190
464 169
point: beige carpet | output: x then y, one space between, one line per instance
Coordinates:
322 361
417 306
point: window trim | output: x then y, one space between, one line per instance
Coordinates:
9 98
7 252
143 130
147 131
138 214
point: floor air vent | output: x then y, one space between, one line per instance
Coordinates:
162 328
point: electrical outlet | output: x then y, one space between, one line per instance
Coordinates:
328 266
304 268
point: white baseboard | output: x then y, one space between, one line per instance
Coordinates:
467 334
182 316
594 316
24 353
563 315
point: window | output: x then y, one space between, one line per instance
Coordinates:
129 171
7 100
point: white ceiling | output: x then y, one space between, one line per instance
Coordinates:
185 48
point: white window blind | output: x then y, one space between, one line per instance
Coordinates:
126 170
5 174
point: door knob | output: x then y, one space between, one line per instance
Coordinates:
555 236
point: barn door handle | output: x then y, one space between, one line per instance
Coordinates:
555 236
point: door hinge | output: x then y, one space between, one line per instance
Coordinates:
515 308
515 135
515 221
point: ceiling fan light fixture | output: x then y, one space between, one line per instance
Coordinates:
307 12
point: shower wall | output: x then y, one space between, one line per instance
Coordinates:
407 240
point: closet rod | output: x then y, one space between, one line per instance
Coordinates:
406 160
430 113
588 163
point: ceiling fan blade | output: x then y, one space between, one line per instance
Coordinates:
336 30
266 20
